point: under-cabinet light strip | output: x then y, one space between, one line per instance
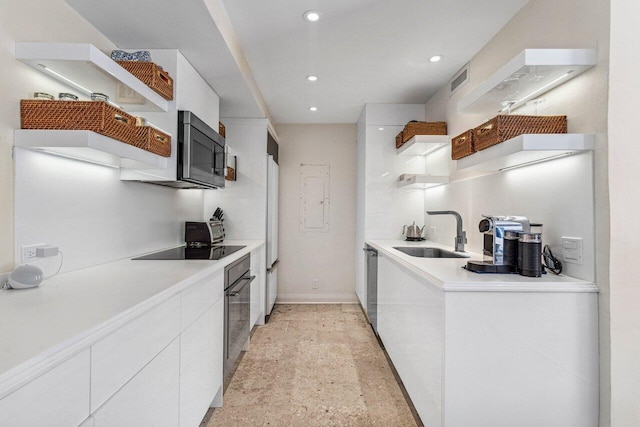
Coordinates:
75 85
510 105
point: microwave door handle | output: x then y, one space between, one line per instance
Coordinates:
186 164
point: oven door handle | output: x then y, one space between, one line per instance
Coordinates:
247 280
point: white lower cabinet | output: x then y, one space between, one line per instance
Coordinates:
89 422
59 398
196 299
411 325
258 286
201 361
116 358
151 398
491 359
161 368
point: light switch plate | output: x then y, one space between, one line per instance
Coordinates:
572 250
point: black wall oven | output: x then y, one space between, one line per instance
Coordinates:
237 305
201 153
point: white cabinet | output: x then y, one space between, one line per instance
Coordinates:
201 361
59 398
411 325
491 359
89 422
191 93
258 286
381 207
151 398
196 299
117 358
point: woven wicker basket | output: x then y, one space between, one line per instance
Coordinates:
399 141
462 145
222 130
412 129
151 75
503 127
96 116
151 139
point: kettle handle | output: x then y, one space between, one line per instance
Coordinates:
404 229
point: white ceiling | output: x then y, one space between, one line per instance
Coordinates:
364 51
186 25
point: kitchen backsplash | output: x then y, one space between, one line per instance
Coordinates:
93 216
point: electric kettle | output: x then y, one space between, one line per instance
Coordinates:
412 232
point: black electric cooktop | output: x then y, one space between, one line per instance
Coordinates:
182 252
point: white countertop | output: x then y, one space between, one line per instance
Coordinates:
448 274
41 326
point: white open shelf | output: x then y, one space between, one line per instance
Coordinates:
90 147
530 74
410 181
86 69
526 149
421 145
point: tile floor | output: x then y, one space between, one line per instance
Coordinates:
314 365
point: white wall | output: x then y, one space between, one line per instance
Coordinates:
305 256
84 209
624 176
559 196
29 20
93 216
244 201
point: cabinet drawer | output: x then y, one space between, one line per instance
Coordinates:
201 371
58 398
150 398
118 357
199 297
205 330
89 422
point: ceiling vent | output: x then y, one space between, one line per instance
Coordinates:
459 79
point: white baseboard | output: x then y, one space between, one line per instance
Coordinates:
316 299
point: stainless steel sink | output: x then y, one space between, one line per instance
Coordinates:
429 252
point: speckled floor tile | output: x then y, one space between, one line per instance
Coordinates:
329 308
314 365
351 308
238 416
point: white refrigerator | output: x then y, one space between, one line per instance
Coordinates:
272 234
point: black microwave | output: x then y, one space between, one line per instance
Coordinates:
201 153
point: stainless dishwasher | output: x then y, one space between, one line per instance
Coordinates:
372 286
237 304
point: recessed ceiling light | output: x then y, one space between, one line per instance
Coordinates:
311 15
312 78
313 108
435 58
380 128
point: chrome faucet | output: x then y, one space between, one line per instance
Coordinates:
461 236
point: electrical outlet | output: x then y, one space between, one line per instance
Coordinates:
433 232
314 284
29 252
572 250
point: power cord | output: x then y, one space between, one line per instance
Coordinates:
59 267
550 262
